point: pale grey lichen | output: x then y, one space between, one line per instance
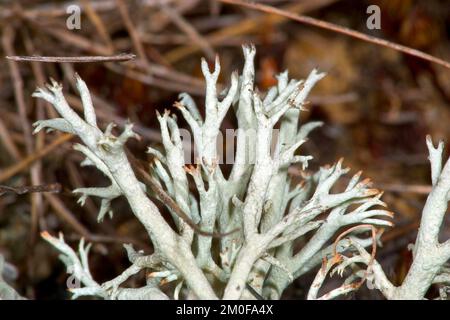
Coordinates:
257 197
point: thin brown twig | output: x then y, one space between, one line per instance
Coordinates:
26 162
37 200
65 215
35 170
39 75
123 10
53 188
137 43
415 188
98 23
44 11
8 39
372 254
400 231
245 26
160 21
167 200
189 30
8 142
72 38
166 84
83 59
343 30
176 79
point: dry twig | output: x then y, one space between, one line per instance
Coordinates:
84 59
26 162
53 188
343 30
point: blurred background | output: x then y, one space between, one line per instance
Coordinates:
377 105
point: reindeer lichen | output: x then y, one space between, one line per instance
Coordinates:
257 197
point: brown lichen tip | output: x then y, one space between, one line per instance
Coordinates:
382 203
45 234
178 105
353 285
391 214
371 192
365 183
189 168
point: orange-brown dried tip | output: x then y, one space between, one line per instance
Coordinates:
337 258
45 234
371 192
178 105
190 169
366 182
